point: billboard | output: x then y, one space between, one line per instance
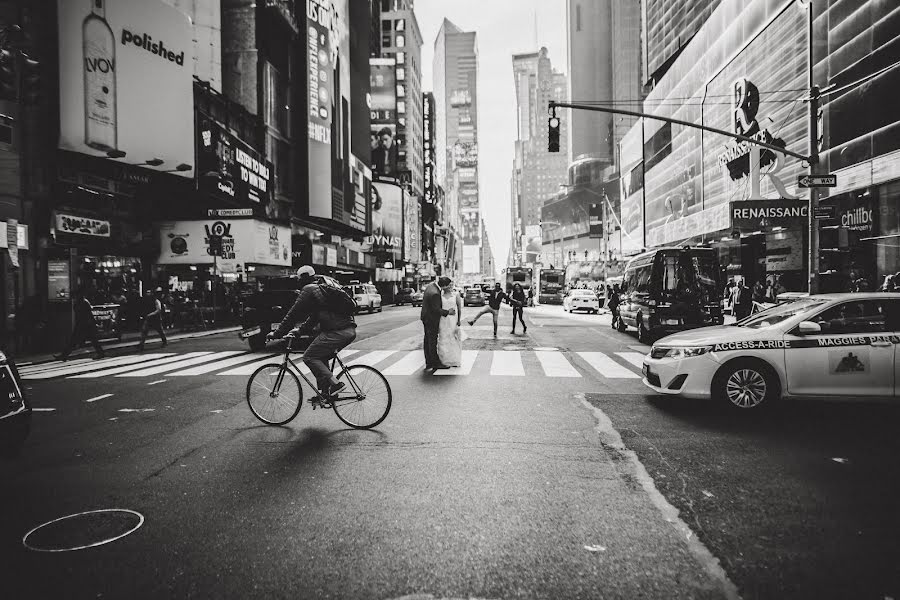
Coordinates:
115 56
471 226
230 168
412 229
460 97
465 154
471 259
320 73
243 241
383 81
387 219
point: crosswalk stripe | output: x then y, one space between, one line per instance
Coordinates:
555 364
407 365
607 366
218 365
170 358
370 358
56 364
180 364
466 364
249 368
635 358
507 363
94 365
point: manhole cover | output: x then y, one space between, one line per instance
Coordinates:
83 530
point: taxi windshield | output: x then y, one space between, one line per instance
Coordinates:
780 312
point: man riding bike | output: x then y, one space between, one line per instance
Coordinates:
336 330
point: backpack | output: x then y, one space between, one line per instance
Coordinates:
338 301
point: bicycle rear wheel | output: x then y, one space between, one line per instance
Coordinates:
366 404
272 402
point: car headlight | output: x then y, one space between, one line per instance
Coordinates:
678 351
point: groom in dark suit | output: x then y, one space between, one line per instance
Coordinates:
432 313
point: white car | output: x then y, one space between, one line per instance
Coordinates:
366 296
581 300
825 345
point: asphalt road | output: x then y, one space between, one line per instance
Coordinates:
544 471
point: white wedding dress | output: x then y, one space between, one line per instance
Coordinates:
449 344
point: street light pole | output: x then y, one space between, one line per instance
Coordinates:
813 161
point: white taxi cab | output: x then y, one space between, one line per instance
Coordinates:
822 345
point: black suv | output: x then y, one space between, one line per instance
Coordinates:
264 310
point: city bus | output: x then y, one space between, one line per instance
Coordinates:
550 286
520 275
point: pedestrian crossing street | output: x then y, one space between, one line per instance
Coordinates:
496 363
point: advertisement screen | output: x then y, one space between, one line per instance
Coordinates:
114 58
320 73
412 229
229 167
471 224
383 81
465 154
243 241
387 218
471 259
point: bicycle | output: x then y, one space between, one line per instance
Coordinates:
275 395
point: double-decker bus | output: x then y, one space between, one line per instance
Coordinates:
550 286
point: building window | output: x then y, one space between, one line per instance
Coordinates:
401 24
401 107
277 101
401 40
279 152
401 91
401 73
386 39
385 25
401 58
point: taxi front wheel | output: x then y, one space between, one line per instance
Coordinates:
746 385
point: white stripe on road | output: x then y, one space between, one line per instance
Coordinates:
468 361
36 409
555 364
607 366
222 364
181 364
152 382
95 365
100 397
635 358
248 369
56 364
407 365
370 358
168 358
507 363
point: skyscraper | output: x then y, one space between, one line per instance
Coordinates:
455 72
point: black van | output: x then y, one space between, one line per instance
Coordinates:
671 289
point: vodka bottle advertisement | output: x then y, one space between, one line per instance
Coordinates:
99 47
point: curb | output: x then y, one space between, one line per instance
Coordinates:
42 358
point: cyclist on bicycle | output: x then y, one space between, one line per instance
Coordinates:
336 330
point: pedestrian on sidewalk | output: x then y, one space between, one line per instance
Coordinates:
153 311
494 298
85 328
520 299
741 301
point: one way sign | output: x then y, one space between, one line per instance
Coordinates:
810 181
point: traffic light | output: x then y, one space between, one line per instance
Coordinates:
215 245
553 134
7 75
31 80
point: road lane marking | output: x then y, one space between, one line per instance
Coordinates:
95 365
42 409
468 361
407 365
180 364
154 382
250 368
556 365
507 363
607 366
170 358
56 364
215 366
370 358
137 409
635 358
100 397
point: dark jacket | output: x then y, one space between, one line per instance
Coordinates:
311 308
84 314
495 297
432 305
519 297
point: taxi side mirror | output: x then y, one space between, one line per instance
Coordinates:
808 328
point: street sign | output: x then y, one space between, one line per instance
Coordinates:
826 211
811 181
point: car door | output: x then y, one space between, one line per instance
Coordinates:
854 354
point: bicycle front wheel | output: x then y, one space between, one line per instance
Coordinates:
274 398
366 399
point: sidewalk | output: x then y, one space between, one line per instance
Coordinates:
129 340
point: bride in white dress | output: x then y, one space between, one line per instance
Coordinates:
449 344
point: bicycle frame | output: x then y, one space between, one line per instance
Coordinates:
357 393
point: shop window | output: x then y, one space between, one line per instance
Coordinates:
401 41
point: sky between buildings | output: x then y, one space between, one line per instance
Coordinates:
504 28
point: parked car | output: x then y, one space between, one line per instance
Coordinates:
824 345
15 410
474 297
581 300
417 298
366 296
404 296
264 310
